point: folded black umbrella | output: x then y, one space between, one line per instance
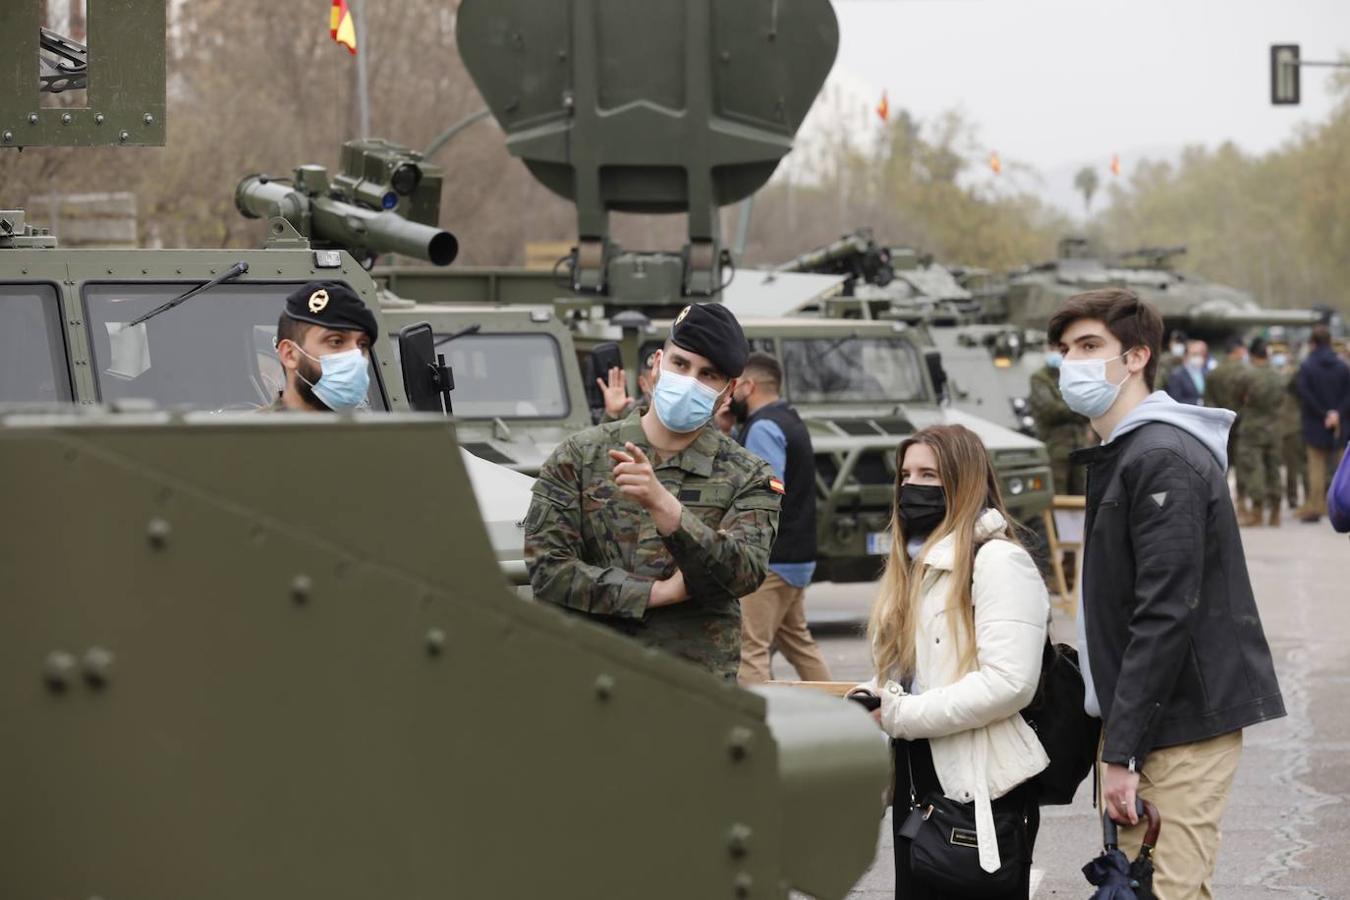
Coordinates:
1116 876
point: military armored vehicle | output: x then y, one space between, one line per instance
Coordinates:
227 674
1201 308
984 355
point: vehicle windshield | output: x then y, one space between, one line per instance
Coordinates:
214 352
506 376
32 348
852 369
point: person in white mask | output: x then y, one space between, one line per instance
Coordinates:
1174 658
323 342
656 524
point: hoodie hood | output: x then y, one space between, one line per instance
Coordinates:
1207 425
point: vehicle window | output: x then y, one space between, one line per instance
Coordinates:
214 352
33 366
507 376
851 369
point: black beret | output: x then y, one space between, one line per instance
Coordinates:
331 304
709 329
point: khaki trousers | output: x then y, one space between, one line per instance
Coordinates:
775 615
1189 784
1321 464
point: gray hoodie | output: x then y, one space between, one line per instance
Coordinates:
1207 425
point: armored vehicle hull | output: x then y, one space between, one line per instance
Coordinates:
247 690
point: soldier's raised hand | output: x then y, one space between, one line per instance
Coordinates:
615 391
636 478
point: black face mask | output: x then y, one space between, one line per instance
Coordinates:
922 508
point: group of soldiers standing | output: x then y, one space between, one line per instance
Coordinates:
1253 381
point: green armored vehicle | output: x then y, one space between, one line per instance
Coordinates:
985 356
1202 309
237 664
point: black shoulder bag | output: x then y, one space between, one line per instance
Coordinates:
944 852
1068 734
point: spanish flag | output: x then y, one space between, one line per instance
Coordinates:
341 26
995 164
884 108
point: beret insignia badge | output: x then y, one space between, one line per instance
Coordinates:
680 318
318 300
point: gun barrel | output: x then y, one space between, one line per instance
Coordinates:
1257 318
362 232
814 259
381 232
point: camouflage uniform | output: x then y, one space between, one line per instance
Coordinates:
1062 429
1223 390
593 550
1258 463
1166 366
1292 450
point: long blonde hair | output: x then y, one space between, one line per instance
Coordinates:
971 487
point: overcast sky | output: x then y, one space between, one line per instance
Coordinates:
1063 83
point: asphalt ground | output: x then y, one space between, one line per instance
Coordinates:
1286 831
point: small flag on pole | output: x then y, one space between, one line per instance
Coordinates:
995 163
341 26
884 108
1115 163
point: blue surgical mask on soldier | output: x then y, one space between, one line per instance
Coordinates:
345 380
1279 360
1085 387
682 403
1054 358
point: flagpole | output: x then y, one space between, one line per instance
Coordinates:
358 8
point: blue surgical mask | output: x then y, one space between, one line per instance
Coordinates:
682 403
1085 388
1054 358
1279 360
345 380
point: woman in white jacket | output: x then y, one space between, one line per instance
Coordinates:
957 634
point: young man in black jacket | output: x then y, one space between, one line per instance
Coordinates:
1174 657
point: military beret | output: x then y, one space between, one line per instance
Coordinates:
709 329
331 304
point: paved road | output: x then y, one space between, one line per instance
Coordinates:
1286 827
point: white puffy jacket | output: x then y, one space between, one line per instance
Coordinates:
982 748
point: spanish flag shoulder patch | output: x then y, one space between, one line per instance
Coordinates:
776 485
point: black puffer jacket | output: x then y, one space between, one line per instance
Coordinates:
1175 642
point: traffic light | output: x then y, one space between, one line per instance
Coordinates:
1284 69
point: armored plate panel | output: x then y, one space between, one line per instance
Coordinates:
219 682
126 78
651 106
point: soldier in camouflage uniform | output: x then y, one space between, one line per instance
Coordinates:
1292 451
1223 390
658 523
1062 429
1258 466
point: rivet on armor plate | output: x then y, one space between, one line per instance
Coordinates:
158 532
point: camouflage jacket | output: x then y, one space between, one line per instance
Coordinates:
1263 395
593 550
1224 385
1054 419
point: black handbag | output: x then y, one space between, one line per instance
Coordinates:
944 852
1068 734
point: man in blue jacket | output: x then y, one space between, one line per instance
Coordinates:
775 614
1175 661
1323 385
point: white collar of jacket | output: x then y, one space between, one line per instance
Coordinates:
942 555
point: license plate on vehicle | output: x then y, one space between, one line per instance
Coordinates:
878 543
